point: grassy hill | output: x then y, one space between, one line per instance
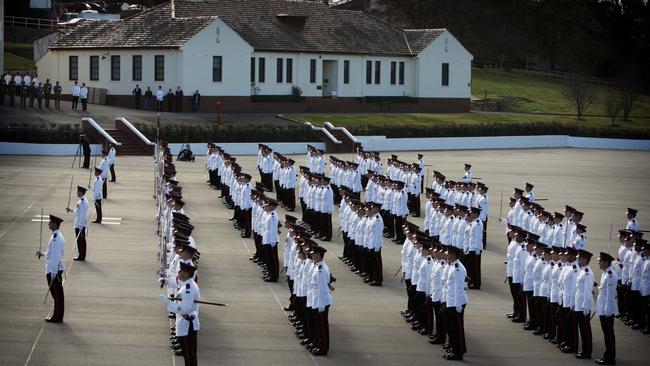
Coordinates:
531 92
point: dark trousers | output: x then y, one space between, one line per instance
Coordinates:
113 176
531 308
246 224
322 329
520 302
86 164
551 311
137 102
570 329
55 284
267 181
188 344
428 315
325 225
397 229
441 324
98 208
290 199
485 233
213 177
272 262
620 294
584 326
377 266
607 325
473 260
80 234
84 104
418 303
105 188
456 327
513 294
75 102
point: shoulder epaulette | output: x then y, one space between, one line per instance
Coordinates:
609 272
574 266
187 286
54 236
456 265
586 270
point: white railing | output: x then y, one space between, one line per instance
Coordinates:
344 130
11 21
324 131
101 131
134 130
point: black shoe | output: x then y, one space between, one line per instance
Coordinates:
53 320
78 259
567 349
375 283
423 331
602 361
453 356
581 355
435 340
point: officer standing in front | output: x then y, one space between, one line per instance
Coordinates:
455 306
57 95
47 92
85 144
606 307
54 268
583 304
80 222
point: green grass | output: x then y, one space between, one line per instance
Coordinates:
424 119
530 92
17 63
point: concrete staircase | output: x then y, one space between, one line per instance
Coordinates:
126 138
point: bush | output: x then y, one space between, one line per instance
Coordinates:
40 133
499 129
241 133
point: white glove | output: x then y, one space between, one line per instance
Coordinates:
171 305
320 310
586 312
39 254
459 309
161 282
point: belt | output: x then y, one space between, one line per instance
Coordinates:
187 317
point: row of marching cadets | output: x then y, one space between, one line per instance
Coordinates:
307 274
362 229
317 203
179 261
315 160
310 286
436 289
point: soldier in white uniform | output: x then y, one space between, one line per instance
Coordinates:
186 308
529 192
568 286
111 162
54 269
319 284
80 222
104 166
270 241
467 177
455 305
98 194
606 307
584 302
76 91
632 223
645 290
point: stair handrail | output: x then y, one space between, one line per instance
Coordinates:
325 132
101 131
134 130
344 130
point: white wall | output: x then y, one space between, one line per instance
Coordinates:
445 49
197 55
54 65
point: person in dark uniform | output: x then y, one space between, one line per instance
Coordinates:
32 94
54 269
196 101
137 96
170 100
47 92
148 96
179 99
3 90
11 87
85 144
24 93
57 95
38 91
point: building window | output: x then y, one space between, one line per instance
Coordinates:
377 72
115 68
261 73
312 71
216 68
73 67
159 67
346 72
289 70
279 70
445 74
368 72
137 68
94 68
252 69
393 72
401 73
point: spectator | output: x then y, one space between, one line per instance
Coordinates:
57 95
170 100
83 94
160 96
75 95
137 95
179 99
148 96
196 101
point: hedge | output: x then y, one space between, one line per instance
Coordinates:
229 133
500 129
40 133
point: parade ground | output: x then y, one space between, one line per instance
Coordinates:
113 315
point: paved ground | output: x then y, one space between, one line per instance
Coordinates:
113 316
105 115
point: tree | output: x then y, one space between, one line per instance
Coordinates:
581 92
628 89
613 109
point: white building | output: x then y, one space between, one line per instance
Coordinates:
250 54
